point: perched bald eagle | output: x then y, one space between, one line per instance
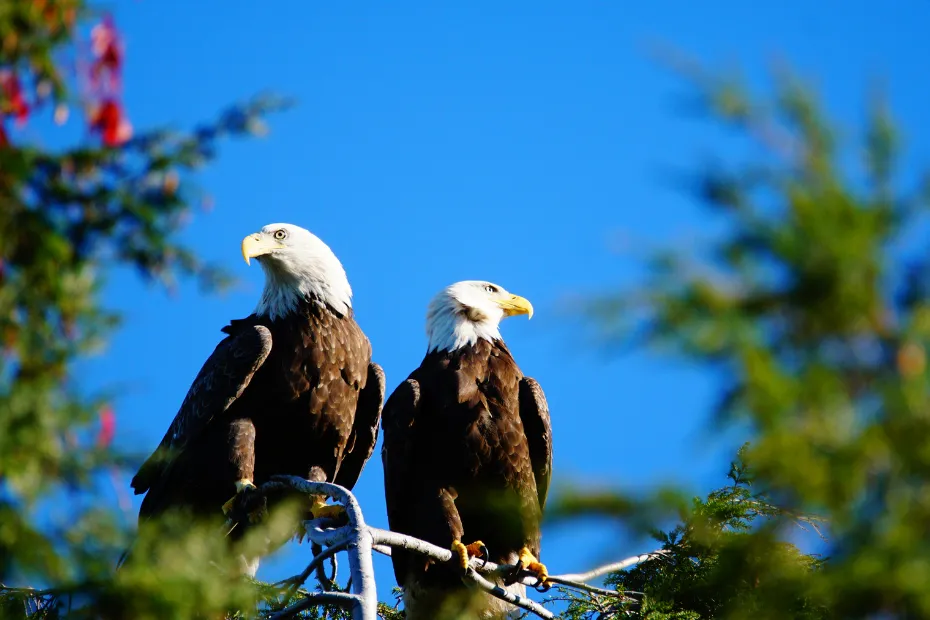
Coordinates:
291 389
467 453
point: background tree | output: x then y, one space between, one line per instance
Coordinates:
117 197
812 306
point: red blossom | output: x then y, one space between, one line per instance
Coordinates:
107 117
108 53
108 120
107 427
14 100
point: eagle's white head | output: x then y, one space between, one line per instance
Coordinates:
468 311
297 266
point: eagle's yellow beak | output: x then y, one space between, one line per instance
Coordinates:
258 244
515 305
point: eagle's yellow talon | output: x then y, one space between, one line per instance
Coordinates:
460 550
465 552
476 549
321 509
241 485
530 563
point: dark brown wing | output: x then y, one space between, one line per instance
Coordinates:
222 379
397 456
364 429
534 411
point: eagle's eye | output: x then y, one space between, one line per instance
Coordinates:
280 234
490 288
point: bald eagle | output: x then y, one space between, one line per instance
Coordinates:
291 390
467 453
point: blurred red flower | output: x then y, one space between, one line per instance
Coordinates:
108 53
107 427
14 102
108 120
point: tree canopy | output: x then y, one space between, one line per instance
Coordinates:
117 197
812 306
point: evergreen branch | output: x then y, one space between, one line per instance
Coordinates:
342 599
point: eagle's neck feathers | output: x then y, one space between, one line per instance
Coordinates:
450 328
293 280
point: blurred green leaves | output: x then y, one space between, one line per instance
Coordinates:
65 216
725 558
812 305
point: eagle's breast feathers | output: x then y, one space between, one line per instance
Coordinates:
300 379
459 457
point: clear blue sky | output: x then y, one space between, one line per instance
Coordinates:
509 141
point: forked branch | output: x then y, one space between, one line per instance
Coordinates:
359 540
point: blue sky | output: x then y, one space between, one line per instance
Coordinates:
515 142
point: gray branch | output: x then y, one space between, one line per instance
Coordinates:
609 568
359 540
512 598
473 575
356 537
295 582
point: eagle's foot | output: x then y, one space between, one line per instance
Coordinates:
527 561
465 552
320 510
247 501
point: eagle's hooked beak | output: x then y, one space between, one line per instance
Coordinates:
258 244
515 305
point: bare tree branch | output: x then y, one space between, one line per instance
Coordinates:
385 539
512 598
588 589
296 581
356 535
576 578
359 540
476 566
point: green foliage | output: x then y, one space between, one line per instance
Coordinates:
723 559
32 32
64 214
814 309
392 612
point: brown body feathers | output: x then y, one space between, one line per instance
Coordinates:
467 456
297 395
